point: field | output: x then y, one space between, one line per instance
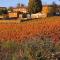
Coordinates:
24 30
37 39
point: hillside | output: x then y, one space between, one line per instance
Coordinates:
22 31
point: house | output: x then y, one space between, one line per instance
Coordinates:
47 9
20 9
17 11
12 15
50 9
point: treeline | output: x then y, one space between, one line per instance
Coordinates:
3 11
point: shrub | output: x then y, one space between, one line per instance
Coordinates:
41 49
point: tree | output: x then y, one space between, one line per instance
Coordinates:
0 11
34 6
3 11
10 9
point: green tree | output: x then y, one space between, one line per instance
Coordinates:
10 9
0 11
3 11
34 6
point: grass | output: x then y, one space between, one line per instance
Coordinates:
29 50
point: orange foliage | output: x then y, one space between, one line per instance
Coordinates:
19 31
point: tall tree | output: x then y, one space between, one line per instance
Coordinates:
34 6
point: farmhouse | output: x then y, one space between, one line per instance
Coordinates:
20 9
12 15
50 9
47 9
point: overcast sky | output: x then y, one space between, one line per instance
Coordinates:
7 3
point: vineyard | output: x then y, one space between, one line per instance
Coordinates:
49 27
37 39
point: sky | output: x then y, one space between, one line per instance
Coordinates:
9 3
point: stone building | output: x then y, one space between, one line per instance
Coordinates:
20 9
50 9
47 9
